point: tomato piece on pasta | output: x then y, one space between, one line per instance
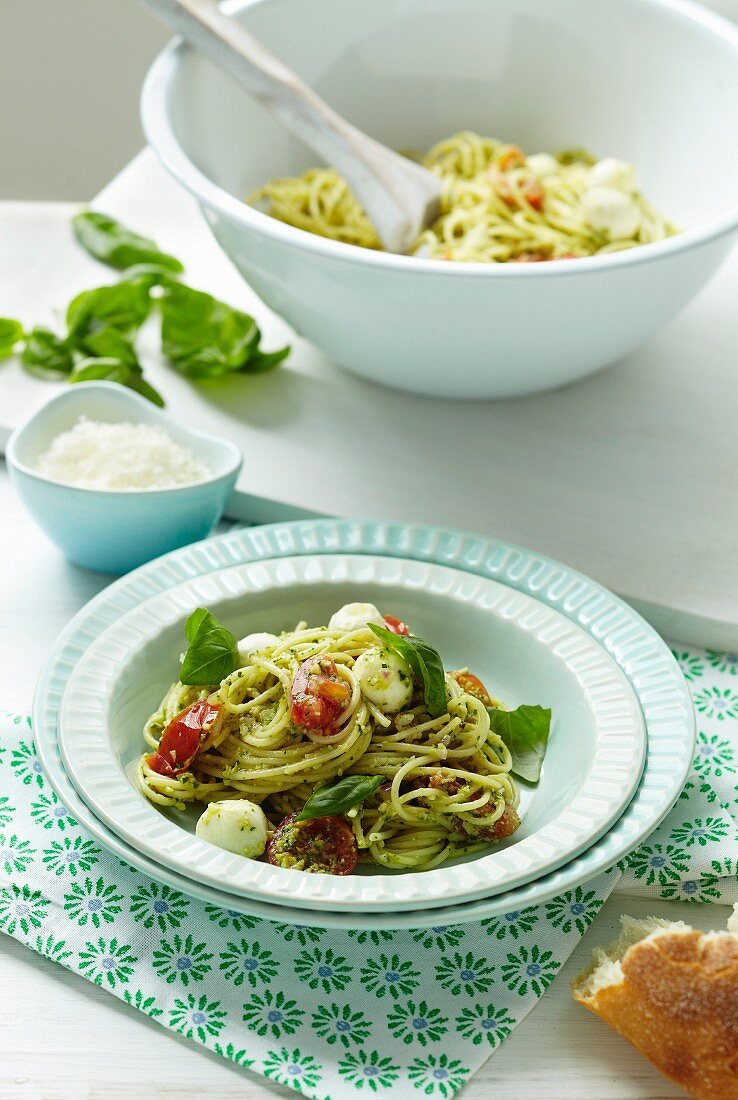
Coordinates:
472 685
396 626
183 737
321 845
318 695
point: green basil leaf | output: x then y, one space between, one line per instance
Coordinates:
193 622
107 240
106 369
262 361
140 385
575 156
124 306
525 731
212 653
425 663
109 343
111 369
344 794
203 337
46 355
11 333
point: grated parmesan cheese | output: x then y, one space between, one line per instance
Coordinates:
122 456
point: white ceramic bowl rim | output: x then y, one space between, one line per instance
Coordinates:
611 779
650 667
162 138
40 415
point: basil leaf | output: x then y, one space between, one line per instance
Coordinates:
11 333
575 156
203 337
124 306
344 794
212 653
109 343
107 240
112 369
425 663
525 732
262 361
193 622
46 355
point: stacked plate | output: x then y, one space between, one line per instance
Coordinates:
620 749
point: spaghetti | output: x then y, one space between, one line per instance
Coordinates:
497 206
269 735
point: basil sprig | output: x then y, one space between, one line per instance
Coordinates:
525 731
344 794
212 653
107 240
425 663
202 337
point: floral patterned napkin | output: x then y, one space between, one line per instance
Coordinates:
339 1014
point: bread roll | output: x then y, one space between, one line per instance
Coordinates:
673 993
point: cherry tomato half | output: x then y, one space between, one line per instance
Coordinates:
396 626
181 740
318 694
322 845
472 685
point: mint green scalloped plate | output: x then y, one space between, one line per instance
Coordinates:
636 648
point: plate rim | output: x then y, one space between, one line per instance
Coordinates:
612 777
473 553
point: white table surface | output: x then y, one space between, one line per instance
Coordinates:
62 1038
628 475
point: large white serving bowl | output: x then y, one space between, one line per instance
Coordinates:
524 650
651 81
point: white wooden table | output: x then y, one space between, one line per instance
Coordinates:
62 1038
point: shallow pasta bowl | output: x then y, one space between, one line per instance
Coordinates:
524 650
544 74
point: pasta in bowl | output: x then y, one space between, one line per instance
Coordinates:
525 651
426 761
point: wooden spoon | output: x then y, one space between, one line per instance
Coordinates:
401 198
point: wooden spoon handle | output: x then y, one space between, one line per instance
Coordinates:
399 197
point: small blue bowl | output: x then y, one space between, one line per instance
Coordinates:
115 531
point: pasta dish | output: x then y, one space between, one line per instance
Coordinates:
328 744
498 205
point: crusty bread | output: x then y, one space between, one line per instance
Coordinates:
673 993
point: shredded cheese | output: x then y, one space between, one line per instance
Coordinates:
121 456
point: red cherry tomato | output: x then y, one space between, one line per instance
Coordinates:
396 626
181 740
322 845
532 193
318 695
472 685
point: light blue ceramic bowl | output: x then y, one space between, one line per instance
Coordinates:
113 532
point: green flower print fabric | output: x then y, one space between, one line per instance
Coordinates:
334 1014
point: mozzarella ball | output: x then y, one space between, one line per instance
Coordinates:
733 919
354 616
611 211
613 173
542 164
235 824
255 643
385 679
